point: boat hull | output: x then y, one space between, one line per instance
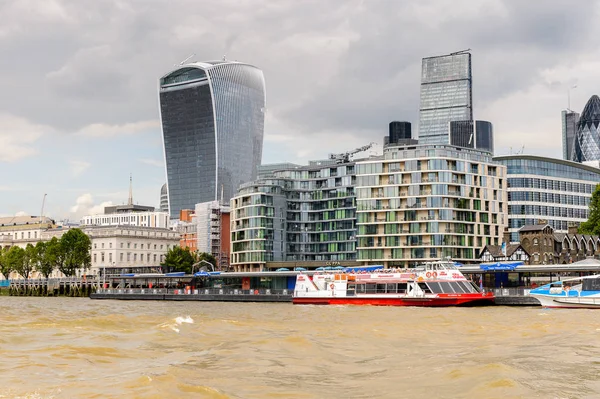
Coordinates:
561 301
439 301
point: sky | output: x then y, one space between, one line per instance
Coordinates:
79 104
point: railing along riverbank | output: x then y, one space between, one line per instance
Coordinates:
198 294
68 286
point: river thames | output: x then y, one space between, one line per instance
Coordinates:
80 348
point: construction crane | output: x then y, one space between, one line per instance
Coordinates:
344 157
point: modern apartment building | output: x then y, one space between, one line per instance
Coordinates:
425 202
299 215
212 116
446 95
547 190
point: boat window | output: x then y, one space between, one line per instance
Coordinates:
474 287
371 288
591 284
381 288
360 288
351 290
391 288
446 287
435 287
467 286
401 288
425 288
458 287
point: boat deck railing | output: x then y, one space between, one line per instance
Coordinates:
510 291
196 291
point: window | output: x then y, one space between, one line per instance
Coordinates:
110 257
102 245
128 256
94 258
121 245
141 246
134 257
95 245
135 245
102 257
154 257
121 256
29 234
128 245
154 246
110 244
148 258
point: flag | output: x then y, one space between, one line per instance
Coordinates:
503 248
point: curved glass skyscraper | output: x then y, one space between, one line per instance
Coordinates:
212 116
587 140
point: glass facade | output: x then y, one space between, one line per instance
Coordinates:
428 202
586 146
446 95
569 131
212 116
553 190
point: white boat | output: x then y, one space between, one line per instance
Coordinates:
432 284
579 292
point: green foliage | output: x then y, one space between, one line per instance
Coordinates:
15 258
5 267
47 254
74 252
592 225
178 259
30 260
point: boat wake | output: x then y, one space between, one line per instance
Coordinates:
177 322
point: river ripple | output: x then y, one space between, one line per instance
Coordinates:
80 348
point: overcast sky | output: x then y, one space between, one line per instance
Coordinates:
79 107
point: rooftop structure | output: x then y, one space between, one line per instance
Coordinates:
586 146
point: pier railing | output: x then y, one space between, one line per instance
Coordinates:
196 291
511 291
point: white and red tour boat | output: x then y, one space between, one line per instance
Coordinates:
432 284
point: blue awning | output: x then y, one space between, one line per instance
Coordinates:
500 266
363 268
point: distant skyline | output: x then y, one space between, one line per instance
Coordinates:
79 110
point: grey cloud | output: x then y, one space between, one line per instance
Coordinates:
329 66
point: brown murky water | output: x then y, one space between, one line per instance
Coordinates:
79 348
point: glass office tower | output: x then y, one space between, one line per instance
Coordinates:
586 146
446 86
212 116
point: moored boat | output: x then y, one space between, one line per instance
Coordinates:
433 284
579 292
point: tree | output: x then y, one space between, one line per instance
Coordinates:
179 260
15 258
592 226
206 257
28 262
46 252
5 267
75 247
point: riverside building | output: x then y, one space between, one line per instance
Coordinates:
586 145
300 215
212 116
553 190
425 202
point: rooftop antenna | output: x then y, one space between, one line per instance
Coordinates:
130 200
460 52
187 59
569 96
42 211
